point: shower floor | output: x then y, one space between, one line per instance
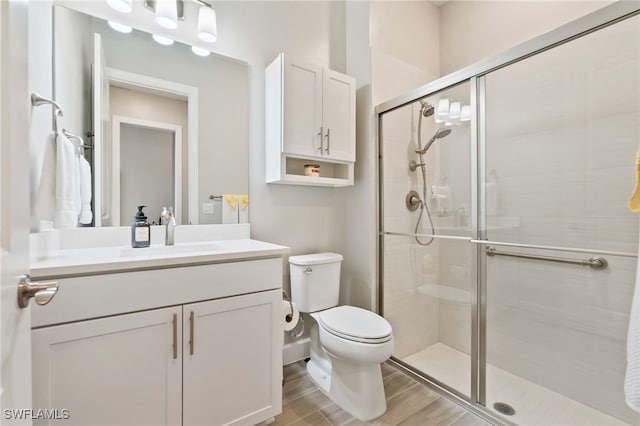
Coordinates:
534 404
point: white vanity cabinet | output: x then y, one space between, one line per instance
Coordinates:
228 370
110 371
310 118
111 349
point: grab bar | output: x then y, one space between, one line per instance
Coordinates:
594 262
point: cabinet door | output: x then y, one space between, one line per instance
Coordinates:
232 371
339 116
113 371
302 109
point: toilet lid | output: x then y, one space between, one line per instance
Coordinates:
355 324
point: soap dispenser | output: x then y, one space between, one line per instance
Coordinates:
140 230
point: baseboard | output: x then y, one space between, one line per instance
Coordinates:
296 351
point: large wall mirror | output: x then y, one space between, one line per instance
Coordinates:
164 127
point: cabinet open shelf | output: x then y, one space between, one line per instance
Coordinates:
291 172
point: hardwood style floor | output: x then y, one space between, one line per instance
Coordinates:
409 403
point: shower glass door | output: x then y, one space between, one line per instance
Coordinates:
428 264
562 130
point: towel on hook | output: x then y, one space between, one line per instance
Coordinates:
243 204
85 191
67 184
229 208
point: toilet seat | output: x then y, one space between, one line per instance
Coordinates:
355 324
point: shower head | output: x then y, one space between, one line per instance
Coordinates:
440 133
426 109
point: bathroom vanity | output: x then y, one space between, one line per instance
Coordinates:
182 335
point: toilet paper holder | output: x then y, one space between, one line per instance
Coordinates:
286 297
289 317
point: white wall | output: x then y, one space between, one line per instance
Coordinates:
474 30
307 219
41 141
72 70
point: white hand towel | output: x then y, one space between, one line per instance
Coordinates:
229 208
85 191
67 184
632 376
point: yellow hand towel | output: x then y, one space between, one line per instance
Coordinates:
634 202
232 199
243 200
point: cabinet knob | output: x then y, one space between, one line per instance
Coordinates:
42 292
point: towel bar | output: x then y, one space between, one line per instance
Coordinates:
594 262
78 138
37 100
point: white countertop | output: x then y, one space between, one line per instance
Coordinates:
86 261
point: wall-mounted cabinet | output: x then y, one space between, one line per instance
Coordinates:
310 119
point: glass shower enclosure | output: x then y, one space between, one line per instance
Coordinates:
507 252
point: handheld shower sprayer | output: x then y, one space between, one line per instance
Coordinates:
441 133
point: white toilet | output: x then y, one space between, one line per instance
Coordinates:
348 344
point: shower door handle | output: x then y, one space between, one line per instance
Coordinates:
328 149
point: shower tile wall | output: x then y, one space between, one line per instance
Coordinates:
562 131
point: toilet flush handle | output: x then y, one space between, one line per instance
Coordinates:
308 270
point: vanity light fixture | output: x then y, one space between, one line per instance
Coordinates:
200 51
121 28
452 112
168 13
165 41
207 27
123 6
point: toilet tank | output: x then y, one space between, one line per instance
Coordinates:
315 281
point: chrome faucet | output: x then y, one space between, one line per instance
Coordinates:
169 226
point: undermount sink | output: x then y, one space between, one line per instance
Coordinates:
168 250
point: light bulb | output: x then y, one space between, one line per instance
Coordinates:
454 111
125 29
207 28
123 6
442 110
200 51
165 41
167 14
465 113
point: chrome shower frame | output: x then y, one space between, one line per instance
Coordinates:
475 76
